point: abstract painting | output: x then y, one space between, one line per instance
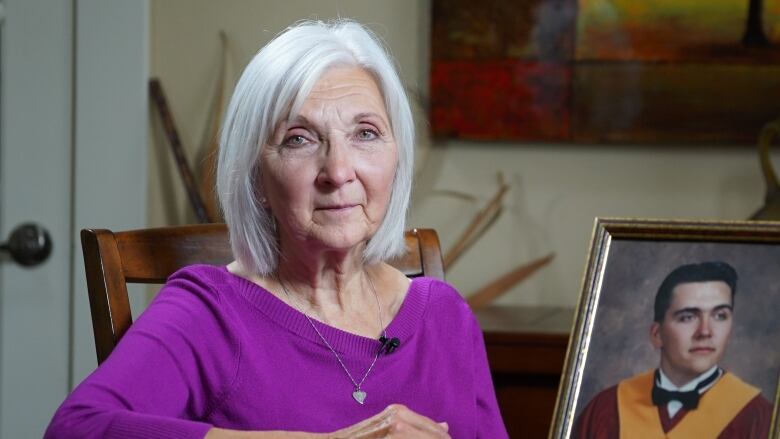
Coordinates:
592 71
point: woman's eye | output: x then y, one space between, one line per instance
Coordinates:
295 140
366 134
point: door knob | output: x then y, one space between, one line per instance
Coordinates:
28 245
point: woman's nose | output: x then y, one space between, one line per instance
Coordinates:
337 166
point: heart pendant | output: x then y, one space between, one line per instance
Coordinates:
359 396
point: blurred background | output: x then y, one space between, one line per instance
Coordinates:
82 145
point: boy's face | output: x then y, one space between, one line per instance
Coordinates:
695 330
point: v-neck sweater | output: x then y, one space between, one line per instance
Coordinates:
216 350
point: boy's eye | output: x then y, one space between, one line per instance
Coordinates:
687 317
722 315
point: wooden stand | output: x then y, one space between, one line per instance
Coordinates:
526 348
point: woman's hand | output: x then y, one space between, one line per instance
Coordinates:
394 422
397 422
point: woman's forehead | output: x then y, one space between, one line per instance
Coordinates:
345 85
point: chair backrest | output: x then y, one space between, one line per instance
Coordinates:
113 259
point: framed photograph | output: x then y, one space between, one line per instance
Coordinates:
677 333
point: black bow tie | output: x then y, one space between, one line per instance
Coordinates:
689 399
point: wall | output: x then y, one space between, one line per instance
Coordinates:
73 155
110 131
556 190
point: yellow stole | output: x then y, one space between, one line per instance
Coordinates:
718 406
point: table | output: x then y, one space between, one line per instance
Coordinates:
526 348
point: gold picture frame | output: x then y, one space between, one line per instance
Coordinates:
628 259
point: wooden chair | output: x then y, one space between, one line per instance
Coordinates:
113 259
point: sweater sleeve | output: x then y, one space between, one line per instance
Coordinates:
168 371
489 423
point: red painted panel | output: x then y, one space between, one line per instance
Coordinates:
501 100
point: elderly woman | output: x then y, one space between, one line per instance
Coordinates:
309 333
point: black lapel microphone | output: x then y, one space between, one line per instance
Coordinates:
388 344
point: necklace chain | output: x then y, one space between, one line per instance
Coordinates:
325 341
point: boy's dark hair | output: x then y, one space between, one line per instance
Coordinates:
703 272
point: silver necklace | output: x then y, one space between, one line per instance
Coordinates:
358 394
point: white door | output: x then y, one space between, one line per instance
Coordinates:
36 140
73 115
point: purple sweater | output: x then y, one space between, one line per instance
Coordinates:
214 349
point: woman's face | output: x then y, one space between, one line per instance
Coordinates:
328 171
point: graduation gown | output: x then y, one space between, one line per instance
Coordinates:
730 409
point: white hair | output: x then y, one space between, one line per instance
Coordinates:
274 85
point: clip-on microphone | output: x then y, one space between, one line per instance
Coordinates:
389 345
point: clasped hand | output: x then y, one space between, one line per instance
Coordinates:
396 421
